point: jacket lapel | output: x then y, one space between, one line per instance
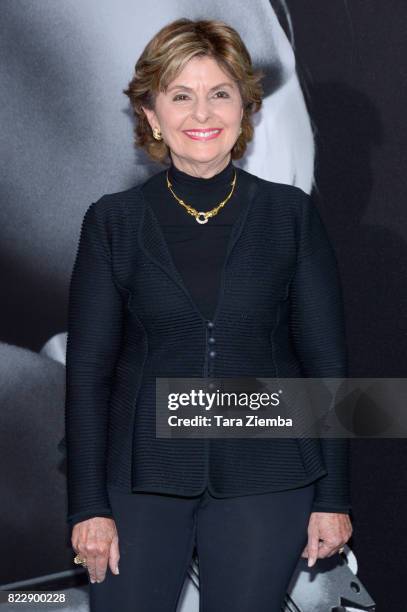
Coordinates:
152 242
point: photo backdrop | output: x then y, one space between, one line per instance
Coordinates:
335 94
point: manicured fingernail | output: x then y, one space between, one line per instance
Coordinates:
117 569
310 562
92 581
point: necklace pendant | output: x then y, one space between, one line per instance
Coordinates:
201 220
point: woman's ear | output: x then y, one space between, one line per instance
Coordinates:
151 117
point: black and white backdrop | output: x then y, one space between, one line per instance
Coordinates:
332 123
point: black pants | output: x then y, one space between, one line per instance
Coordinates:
248 548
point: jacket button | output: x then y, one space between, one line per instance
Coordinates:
212 354
210 324
211 340
211 385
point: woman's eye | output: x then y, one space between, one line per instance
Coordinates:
181 96
223 92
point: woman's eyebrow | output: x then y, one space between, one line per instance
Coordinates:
226 84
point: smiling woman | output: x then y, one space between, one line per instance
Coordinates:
251 290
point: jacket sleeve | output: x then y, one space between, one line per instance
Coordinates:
317 325
93 344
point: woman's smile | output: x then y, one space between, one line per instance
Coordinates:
203 134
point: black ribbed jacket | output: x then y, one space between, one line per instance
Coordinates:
131 319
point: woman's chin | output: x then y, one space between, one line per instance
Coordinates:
204 152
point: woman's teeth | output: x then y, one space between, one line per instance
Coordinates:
207 134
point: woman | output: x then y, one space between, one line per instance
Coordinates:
204 270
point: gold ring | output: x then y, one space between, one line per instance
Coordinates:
79 561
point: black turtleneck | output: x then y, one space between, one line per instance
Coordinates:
198 250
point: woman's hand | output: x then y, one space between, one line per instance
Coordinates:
97 542
333 528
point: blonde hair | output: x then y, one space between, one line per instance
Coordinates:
164 58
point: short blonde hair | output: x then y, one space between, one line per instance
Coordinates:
165 56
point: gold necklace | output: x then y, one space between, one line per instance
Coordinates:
202 217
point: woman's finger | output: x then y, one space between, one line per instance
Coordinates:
304 553
313 546
114 556
101 564
91 567
329 548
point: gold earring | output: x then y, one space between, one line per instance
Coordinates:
157 134
240 130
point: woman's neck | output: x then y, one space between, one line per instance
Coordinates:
203 190
202 193
199 170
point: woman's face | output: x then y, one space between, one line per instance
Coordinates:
201 98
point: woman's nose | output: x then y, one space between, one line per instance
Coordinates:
201 110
